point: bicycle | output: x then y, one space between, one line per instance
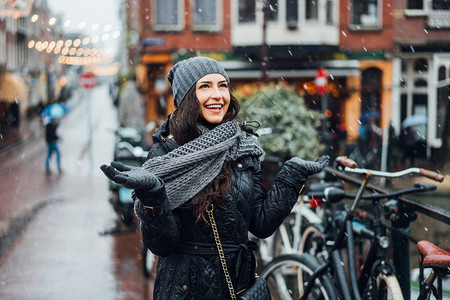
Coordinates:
438 260
377 277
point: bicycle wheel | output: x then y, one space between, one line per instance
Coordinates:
286 276
313 242
288 237
387 288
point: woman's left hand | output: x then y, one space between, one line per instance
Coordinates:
308 168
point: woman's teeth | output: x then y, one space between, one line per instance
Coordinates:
214 106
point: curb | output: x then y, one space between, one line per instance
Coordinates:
17 226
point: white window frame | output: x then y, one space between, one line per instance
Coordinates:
208 27
2 47
378 24
169 27
257 4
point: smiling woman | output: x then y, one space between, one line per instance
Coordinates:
200 192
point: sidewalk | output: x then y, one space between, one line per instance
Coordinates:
29 129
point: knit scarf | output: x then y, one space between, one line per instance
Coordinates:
189 168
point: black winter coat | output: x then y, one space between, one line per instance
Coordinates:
189 266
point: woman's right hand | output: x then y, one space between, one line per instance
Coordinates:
135 178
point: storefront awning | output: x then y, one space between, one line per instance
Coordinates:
12 88
335 68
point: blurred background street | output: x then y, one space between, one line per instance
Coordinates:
51 223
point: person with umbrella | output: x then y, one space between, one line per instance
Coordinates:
50 114
51 137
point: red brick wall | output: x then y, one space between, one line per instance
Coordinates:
187 39
370 40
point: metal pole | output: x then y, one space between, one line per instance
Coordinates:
90 133
264 46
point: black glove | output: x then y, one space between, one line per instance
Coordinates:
135 178
308 168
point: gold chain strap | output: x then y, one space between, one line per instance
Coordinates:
220 250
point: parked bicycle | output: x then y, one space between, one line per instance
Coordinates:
377 278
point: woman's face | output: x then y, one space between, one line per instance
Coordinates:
214 97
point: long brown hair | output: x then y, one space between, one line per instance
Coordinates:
183 125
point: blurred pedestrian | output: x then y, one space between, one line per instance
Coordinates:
51 138
204 170
409 144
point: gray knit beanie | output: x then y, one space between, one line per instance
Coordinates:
186 73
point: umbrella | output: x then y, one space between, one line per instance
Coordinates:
54 111
365 117
414 120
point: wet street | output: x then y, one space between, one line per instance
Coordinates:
60 253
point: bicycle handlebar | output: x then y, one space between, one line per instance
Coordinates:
432 175
345 162
351 167
333 194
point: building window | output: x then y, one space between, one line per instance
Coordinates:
415 4
247 11
365 13
440 5
206 15
421 65
273 10
292 14
330 12
168 15
311 10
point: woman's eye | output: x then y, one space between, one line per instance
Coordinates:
224 85
202 86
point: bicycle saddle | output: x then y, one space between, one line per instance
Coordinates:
433 256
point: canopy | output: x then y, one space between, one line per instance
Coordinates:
12 88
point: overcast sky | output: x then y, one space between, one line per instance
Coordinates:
102 12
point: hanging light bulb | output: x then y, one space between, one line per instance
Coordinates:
95 27
116 34
76 42
107 27
31 44
34 18
67 23
85 41
82 24
52 21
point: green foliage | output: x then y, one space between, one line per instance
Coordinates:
277 106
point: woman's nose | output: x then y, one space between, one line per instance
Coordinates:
216 92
